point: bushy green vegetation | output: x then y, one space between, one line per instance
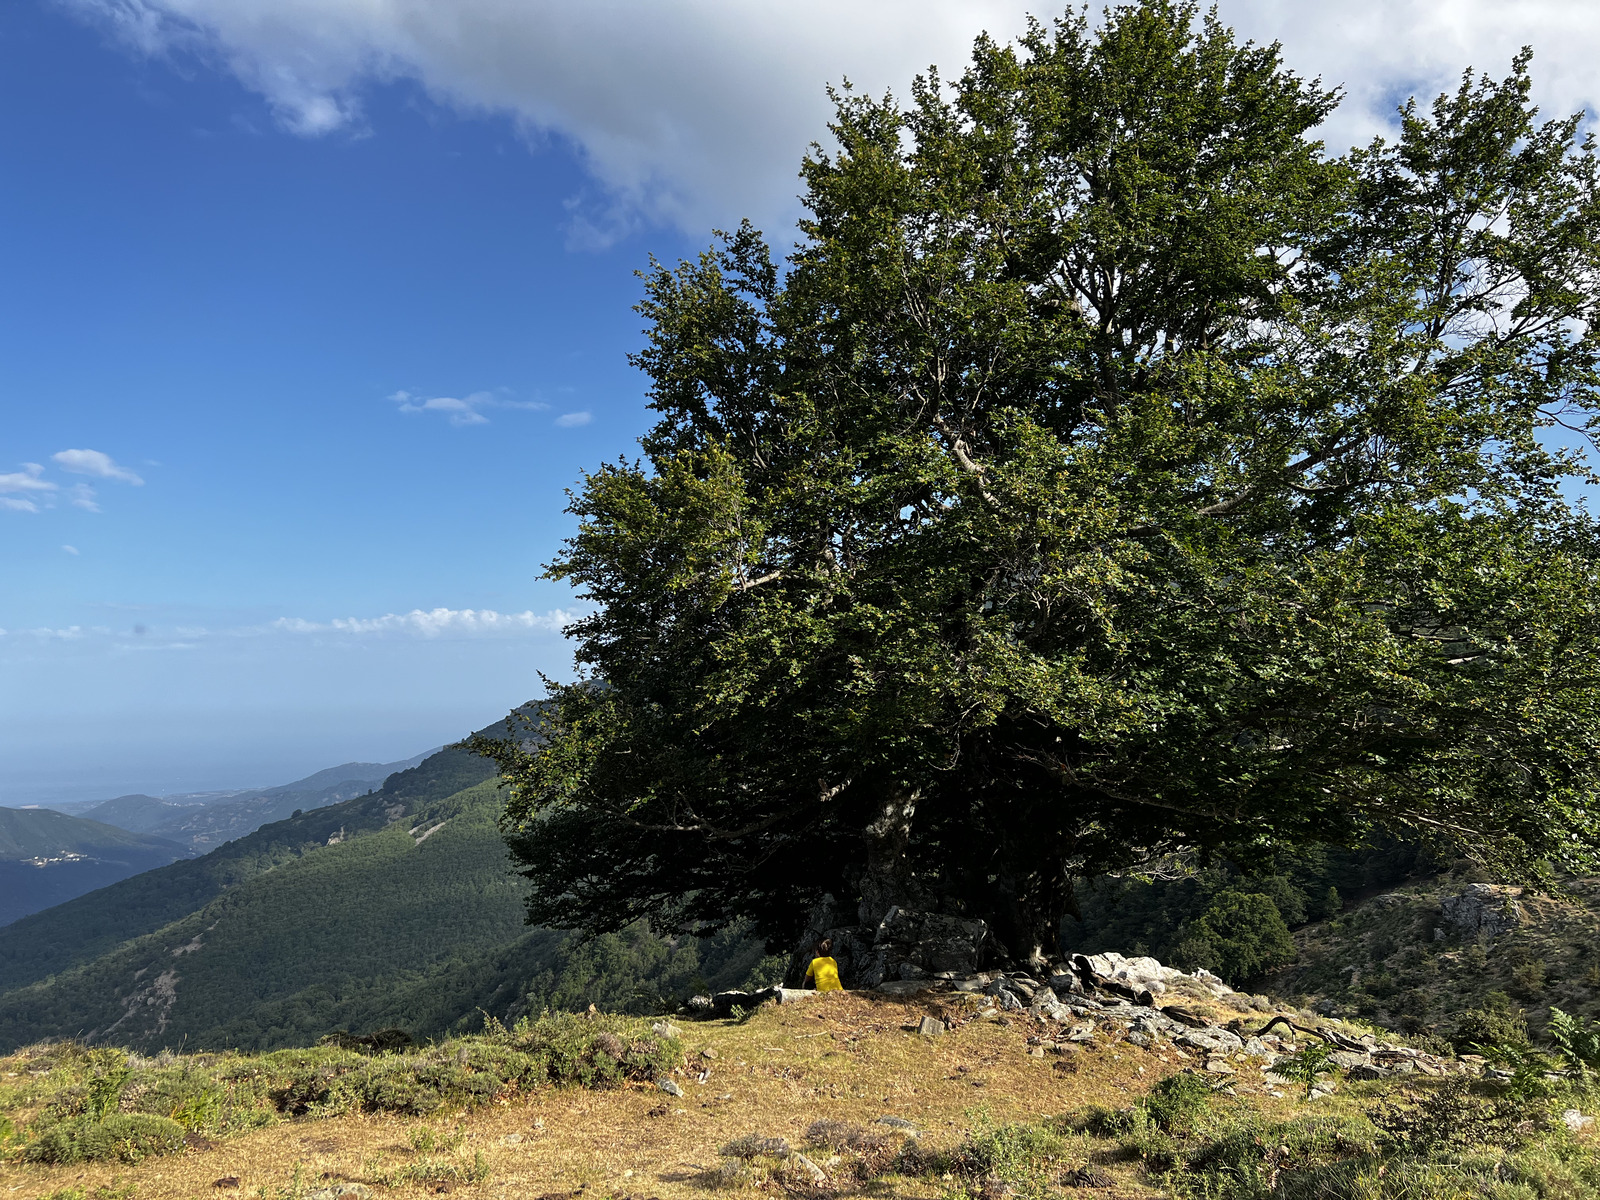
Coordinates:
1203 919
1430 1140
82 1104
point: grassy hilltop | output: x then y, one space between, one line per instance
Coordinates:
787 1101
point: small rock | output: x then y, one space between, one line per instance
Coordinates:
709 1052
669 1087
511 1139
1083 1031
1036 1052
1575 1120
227 1181
930 1027
894 1122
666 1029
815 1173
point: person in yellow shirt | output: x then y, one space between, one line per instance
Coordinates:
823 973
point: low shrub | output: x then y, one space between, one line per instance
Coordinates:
1176 1103
1452 1117
1497 1023
1024 1157
120 1137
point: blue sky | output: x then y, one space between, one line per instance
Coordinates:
225 310
333 301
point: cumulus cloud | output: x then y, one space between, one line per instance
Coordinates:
466 410
96 463
695 112
435 622
572 420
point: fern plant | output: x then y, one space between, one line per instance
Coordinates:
1578 1040
1306 1066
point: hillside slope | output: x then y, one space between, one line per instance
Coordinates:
1418 957
47 857
405 913
136 813
84 928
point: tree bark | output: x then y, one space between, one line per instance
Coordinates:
886 879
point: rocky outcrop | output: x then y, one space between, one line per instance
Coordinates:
1482 908
1107 998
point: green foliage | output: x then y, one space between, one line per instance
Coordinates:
1450 1117
552 1051
110 1071
1497 1023
1024 1157
1311 1063
1176 1104
1158 914
1578 1041
1108 472
120 1137
438 1161
1241 936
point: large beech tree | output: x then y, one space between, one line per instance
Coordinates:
1108 472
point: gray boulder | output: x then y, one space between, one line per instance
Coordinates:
1483 908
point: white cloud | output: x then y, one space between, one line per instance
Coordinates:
25 480
94 462
696 112
435 622
467 410
83 497
72 550
572 420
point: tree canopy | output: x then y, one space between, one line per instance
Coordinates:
1108 471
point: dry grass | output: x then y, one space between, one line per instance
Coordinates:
842 1056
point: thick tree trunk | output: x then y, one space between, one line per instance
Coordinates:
886 880
1029 922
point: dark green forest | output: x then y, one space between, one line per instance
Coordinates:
394 909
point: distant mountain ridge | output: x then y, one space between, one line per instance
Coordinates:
202 821
47 857
395 908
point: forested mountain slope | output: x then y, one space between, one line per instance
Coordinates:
82 929
396 909
47 857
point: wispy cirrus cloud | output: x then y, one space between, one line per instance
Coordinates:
419 623
436 622
572 420
27 482
96 463
462 410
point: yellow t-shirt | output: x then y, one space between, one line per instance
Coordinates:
824 972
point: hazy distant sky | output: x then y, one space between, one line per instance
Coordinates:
311 309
